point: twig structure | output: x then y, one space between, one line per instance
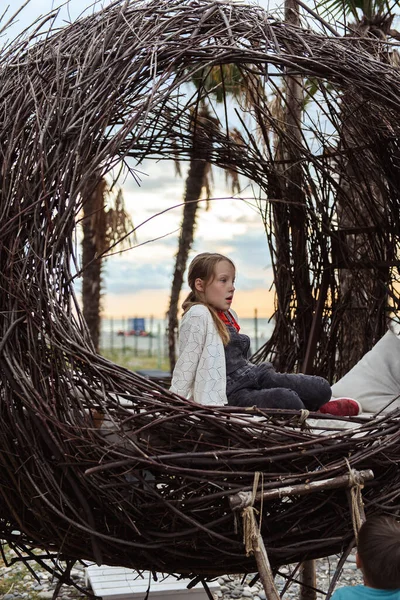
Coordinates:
148 485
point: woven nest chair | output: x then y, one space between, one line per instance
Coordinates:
97 462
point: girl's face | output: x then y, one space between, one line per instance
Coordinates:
219 291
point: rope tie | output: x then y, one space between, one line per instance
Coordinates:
303 416
356 504
250 527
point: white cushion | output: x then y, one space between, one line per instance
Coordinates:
325 426
375 380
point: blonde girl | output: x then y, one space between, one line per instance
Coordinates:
213 366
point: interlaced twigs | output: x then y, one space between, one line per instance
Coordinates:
146 482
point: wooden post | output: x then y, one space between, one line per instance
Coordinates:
308 580
243 501
255 331
255 545
264 569
124 336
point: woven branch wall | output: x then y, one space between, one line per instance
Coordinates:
153 493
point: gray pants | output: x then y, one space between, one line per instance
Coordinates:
262 386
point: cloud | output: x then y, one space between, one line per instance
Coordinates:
231 226
66 13
240 235
132 277
143 274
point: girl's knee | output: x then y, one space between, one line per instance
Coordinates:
241 397
267 398
326 390
282 398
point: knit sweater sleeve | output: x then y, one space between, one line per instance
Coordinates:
192 338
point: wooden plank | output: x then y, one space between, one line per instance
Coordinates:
119 583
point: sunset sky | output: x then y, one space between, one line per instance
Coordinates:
142 276
137 282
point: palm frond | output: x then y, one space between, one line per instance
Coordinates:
357 9
119 224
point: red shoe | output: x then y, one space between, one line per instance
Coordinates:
341 407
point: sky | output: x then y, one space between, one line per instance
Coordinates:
137 282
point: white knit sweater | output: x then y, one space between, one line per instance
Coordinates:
200 371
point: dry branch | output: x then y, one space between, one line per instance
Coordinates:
150 488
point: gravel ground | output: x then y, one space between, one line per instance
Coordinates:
16 583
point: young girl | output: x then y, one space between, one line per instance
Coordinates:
213 366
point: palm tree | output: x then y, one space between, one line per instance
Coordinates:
374 17
197 180
296 220
290 251
371 20
289 217
216 82
102 226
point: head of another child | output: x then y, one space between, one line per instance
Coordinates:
211 280
378 552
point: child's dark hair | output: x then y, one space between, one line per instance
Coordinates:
203 267
379 551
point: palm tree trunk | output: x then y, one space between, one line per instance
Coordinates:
296 197
298 222
360 205
91 265
289 217
194 186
